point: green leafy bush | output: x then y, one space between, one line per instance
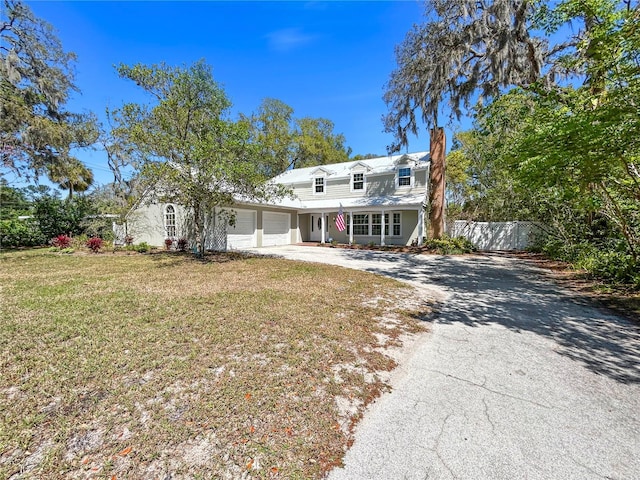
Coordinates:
611 266
56 216
142 247
20 233
609 262
450 246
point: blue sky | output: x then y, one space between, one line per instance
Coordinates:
324 59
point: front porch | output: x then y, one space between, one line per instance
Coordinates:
364 226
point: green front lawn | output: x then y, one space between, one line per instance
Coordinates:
135 366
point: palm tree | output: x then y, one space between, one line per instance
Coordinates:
71 175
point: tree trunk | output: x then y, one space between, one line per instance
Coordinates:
437 183
199 229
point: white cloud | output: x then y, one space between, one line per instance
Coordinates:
288 39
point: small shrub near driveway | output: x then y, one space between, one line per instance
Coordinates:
450 246
234 367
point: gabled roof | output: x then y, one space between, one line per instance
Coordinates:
360 164
374 166
405 159
323 169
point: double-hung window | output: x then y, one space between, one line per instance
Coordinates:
396 224
376 224
358 181
318 185
361 224
404 177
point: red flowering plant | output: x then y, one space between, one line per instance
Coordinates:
94 244
61 241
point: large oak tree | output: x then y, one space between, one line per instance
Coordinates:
36 80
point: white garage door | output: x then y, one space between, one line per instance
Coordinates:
243 233
275 229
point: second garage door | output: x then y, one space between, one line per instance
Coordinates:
243 233
275 229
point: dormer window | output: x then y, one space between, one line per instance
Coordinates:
404 177
359 172
357 181
318 185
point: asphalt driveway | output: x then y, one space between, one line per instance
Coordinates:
518 379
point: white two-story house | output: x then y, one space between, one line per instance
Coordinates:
382 200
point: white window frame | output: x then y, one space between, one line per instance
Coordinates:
390 224
410 176
314 184
368 224
166 216
394 224
364 182
379 224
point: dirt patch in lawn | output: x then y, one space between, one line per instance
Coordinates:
144 366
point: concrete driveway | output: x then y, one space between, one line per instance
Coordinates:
518 379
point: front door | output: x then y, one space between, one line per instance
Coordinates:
315 229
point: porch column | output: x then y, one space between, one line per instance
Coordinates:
350 228
322 227
382 229
420 225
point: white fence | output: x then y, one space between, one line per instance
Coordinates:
495 235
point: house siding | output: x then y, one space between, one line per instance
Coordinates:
375 186
336 188
409 226
146 224
382 186
303 222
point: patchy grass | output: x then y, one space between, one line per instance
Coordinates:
144 365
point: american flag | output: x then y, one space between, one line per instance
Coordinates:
340 225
